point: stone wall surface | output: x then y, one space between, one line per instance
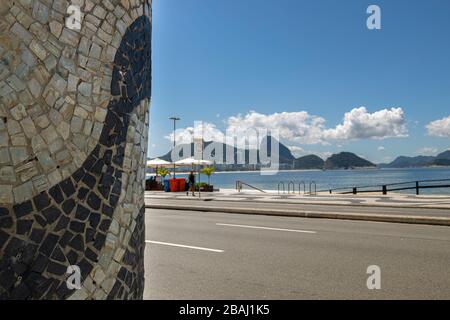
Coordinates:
73 146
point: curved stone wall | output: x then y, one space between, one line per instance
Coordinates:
73 137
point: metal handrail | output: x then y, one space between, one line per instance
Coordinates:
239 185
310 188
284 189
291 183
384 188
300 187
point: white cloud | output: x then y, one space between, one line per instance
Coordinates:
324 155
303 128
360 124
381 148
439 128
427 151
186 135
300 152
297 151
300 126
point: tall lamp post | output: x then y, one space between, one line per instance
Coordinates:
175 119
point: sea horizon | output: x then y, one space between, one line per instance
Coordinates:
330 179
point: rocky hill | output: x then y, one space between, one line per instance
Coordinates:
309 162
347 160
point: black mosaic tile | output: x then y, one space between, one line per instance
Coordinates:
82 193
6 222
23 209
56 268
99 241
78 175
117 187
49 244
72 257
4 212
3 238
63 291
104 225
51 214
68 206
82 213
91 255
56 193
41 201
14 246
89 180
77 243
94 219
40 264
19 268
107 210
62 223
97 168
58 255
23 227
40 220
67 187
90 235
93 201
89 162
104 190
77 227
65 239
85 266
113 200
37 235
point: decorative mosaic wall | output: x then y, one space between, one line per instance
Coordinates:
73 137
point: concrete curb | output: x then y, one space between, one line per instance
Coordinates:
436 221
371 205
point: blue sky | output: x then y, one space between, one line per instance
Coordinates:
216 59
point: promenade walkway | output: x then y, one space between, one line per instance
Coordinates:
391 200
399 208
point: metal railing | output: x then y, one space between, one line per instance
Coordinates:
281 184
291 183
240 185
390 187
312 183
312 188
300 184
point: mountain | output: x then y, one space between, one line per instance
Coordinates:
410 162
309 162
444 155
441 162
346 160
442 159
285 156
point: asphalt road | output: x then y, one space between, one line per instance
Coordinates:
203 255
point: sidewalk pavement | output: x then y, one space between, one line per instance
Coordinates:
398 208
392 199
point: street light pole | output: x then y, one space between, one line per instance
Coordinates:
175 119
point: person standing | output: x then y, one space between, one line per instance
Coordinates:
192 182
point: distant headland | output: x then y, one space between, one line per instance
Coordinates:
287 161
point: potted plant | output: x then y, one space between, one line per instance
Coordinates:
208 171
203 187
163 172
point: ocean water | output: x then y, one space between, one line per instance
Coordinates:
332 179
